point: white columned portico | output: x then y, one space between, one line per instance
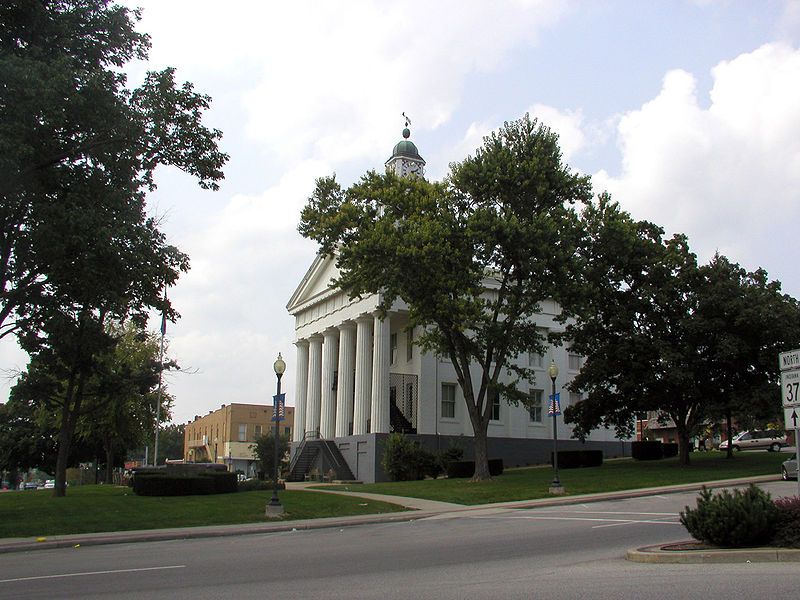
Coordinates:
314 383
301 396
345 389
330 355
361 409
380 375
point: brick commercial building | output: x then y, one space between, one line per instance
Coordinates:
227 435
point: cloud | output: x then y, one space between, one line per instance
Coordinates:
329 80
726 173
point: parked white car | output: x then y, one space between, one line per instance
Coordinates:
772 440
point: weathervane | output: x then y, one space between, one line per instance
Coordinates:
408 121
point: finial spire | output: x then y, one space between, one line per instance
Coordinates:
406 131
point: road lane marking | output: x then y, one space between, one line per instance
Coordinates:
614 512
92 573
591 519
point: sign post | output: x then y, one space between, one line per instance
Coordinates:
790 395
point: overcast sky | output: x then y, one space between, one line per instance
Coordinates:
688 112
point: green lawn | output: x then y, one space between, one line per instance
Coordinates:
94 508
624 474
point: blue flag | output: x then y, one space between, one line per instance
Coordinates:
554 407
279 407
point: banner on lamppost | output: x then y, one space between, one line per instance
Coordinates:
279 407
554 407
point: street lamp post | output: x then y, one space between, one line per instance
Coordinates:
274 508
555 486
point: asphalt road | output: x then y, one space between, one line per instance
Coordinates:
561 552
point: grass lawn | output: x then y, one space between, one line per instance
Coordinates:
533 482
95 508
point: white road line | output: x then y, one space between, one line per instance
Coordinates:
614 512
636 523
600 520
92 573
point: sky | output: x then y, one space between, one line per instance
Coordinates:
686 111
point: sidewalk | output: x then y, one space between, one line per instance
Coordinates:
418 509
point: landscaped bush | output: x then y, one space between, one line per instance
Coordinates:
573 459
255 485
787 522
406 460
738 520
647 450
162 484
466 468
669 449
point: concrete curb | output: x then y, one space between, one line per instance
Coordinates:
662 555
424 510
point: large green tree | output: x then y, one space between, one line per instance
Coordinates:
473 256
662 334
75 141
78 151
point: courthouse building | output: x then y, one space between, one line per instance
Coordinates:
360 377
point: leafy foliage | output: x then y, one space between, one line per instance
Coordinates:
78 150
661 333
473 257
406 460
740 519
787 522
264 449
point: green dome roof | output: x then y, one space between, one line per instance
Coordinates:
406 148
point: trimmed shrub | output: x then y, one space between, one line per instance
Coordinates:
257 485
738 520
669 449
574 459
787 522
406 460
168 484
647 450
466 468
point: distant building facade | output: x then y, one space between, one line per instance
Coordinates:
227 435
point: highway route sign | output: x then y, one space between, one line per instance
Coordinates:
790 388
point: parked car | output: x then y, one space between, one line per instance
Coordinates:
772 440
30 485
789 468
49 484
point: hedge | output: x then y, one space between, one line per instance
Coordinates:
163 484
573 459
647 450
466 468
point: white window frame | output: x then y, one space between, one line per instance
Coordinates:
452 388
533 393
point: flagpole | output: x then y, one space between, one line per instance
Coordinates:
160 378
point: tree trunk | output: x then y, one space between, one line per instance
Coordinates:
729 427
109 474
481 457
683 444
64 442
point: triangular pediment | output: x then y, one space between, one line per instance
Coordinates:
316 283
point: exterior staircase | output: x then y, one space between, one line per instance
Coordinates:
323 455
398 421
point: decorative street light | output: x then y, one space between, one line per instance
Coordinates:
274 508
555 486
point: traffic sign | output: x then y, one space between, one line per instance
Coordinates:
791 417
789 360
790 388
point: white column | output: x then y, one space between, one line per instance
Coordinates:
314 383
301 396
344 393
380 376
330 355
363 374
